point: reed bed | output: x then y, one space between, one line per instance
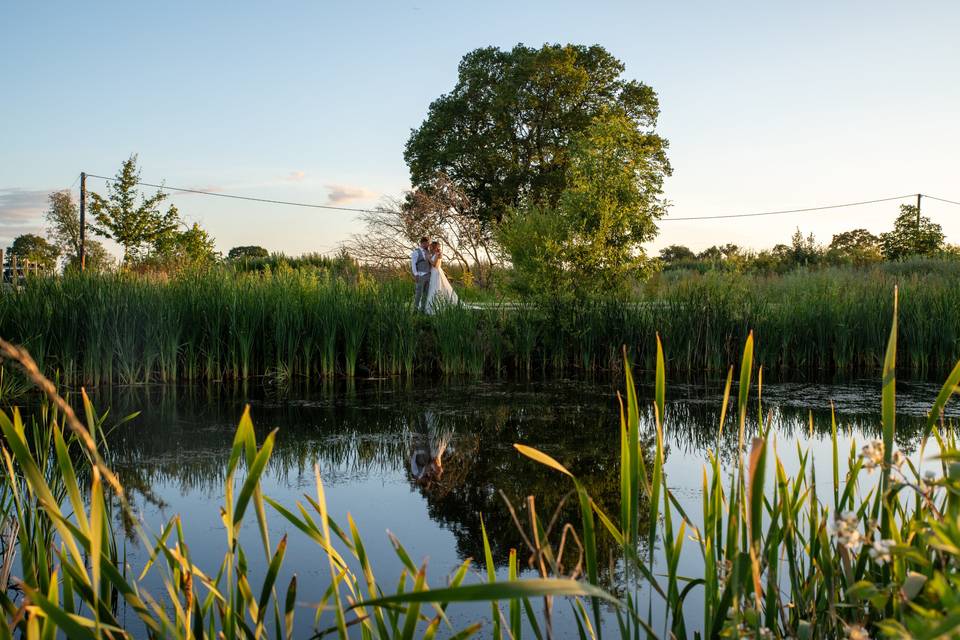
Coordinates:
220 324
877 554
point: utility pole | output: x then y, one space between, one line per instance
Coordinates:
83 220
919 195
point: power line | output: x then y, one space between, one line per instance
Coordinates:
250 198
942 199
776 213
359 210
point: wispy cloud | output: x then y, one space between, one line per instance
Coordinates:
21 211
342 194
295 176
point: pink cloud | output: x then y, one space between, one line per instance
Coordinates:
342 194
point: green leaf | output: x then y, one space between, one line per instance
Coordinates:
253 477
492 592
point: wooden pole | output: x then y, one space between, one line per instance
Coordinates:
83 221
14 276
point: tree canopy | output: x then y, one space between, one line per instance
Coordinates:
33 248
592 238
175 249
676 253
63 231
505 134
247 251
912 235
857 246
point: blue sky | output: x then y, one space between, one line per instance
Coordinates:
767 105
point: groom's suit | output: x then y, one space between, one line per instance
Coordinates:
420 265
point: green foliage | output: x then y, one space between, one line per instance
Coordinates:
858 246
912 235
134 226
225 323
592 239
504 133
804 251
676 253
63 231
188 249
31 247
246 252
877 557
775 556
54 499
339 267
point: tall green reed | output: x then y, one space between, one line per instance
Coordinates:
217 324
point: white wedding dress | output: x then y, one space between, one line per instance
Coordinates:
440 291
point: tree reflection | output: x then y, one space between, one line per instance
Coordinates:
453 445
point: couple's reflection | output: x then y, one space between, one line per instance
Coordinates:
429 441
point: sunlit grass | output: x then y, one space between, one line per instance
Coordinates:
220 324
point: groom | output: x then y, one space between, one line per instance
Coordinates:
420 265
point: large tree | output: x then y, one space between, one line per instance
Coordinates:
133 225
912 235
505 132
63 231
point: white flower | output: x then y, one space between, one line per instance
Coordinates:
872 454
856 632
844 529
880 551
897 459
723 570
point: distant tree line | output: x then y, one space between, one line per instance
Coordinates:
912 235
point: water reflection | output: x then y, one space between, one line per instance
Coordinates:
428 444
452 446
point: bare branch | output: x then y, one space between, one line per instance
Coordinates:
440 210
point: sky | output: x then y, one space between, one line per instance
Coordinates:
766 105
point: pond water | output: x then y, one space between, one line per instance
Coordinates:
375 444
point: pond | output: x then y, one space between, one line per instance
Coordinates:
425 461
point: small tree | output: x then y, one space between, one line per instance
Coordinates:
246 252
33 248
133 226
63 231
912 235
804 251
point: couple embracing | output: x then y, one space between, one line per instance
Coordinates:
432 288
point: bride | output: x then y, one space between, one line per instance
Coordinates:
439 291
